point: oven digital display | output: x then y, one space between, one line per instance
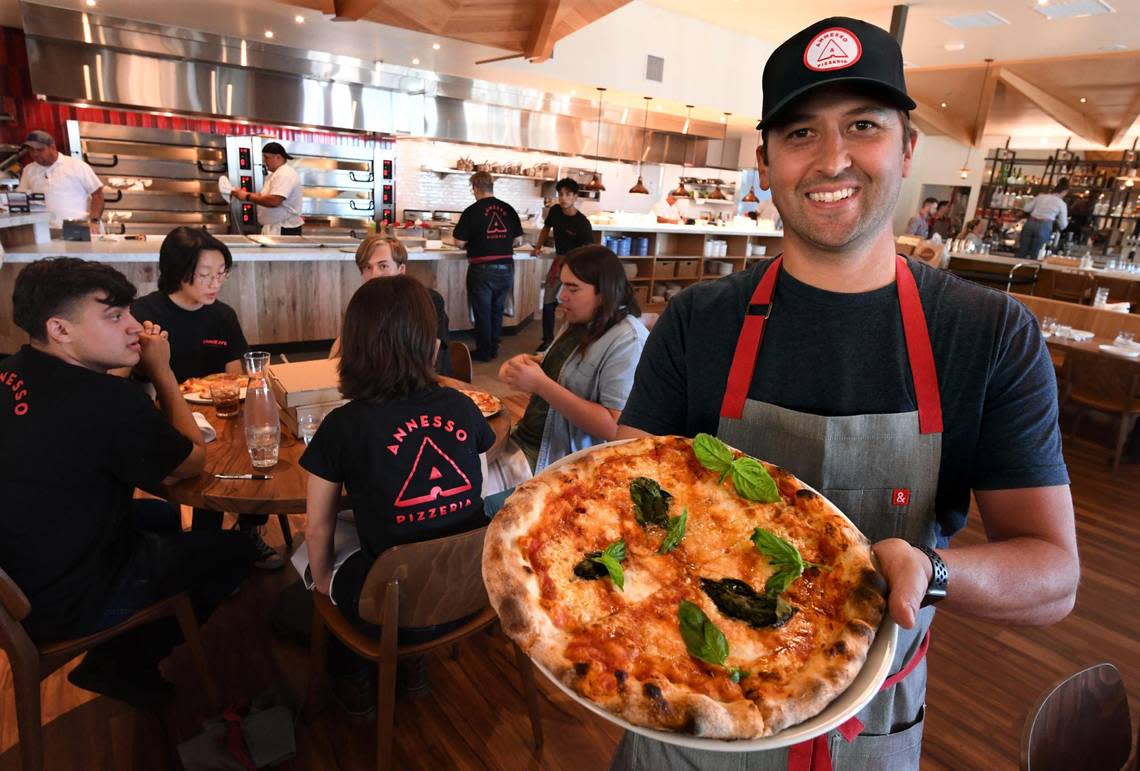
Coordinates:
246 182
387 169
244 158
246 213
387 194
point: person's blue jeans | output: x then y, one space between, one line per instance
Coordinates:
1034 235
487 288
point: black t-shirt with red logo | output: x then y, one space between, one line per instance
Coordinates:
570 232
490 227
202 342
410 466
74 445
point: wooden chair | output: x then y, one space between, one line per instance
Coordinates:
1081 722
460 361
1073 287
414 585
1094 382
31 664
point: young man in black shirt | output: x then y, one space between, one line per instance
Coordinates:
489 229
205 336
75 442
571 229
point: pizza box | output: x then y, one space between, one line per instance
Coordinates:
876 668
299 383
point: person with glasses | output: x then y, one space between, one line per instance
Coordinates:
205 336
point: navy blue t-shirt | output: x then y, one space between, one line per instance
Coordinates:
833 354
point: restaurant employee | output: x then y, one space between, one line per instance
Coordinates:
571 229
279 202
894 389
70 188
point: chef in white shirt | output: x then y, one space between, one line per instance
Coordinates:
666 209
70 188
279 202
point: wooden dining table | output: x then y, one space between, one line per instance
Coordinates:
284 494
1092 345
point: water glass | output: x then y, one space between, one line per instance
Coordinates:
307 426
1063 331
1125 339
1048 326
255 362
1101 298
226 395
263 443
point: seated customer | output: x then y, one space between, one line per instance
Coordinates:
406 449
580 387
75 442
381 255
205 336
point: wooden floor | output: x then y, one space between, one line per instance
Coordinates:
983 678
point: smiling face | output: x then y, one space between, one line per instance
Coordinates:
835 168
380 263
579 299
97 336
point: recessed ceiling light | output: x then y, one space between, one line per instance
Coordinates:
955 46
90 3
269 34
659 108
415 61
1083 100
974 20
572 92
1073 9
944 104
435 46
299 19
1043 2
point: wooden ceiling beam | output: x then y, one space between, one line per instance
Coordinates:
933 121
1070 117
350 9
1131 114
985 103
540 47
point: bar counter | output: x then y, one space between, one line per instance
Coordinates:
281 295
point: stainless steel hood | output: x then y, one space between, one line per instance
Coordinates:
84 57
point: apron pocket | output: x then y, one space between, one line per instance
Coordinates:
872 512
897 751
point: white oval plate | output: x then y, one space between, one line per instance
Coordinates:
863 688
1117 350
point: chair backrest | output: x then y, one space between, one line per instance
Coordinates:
1094 377
460 361
1072 286
440 580
13 599
1101 322
1081 722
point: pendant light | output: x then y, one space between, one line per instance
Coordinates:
964 172
681 192
640 187
750 196
717 194
595 184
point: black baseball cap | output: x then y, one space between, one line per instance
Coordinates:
275 148
835 50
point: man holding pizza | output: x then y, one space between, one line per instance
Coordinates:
894 389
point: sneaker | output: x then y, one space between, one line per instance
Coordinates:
143 688
265 556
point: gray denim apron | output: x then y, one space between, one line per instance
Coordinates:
882 472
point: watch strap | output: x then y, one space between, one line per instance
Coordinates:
939 579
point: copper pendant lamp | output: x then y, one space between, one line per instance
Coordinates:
750 196
717 194
595 183
640 187
681 192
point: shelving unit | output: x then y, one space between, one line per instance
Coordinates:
446 172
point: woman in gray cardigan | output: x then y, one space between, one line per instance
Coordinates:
580 386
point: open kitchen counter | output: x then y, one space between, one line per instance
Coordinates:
280 294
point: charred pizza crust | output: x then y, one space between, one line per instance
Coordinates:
623 650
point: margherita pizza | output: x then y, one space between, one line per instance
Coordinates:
200 386
488 404
685 587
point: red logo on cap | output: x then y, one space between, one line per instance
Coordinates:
833 49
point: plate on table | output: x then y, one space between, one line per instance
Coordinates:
196 390
1119 350
488 404
1080 335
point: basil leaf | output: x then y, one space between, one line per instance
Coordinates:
650 502
616 550
736 674
753 481
675 533
784 558
589 568
712 453
613 567
736 599
702 639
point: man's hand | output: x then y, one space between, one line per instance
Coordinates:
523 373
154 358
908 572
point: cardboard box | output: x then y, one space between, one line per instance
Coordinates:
687 268
305 382
665 269
641 293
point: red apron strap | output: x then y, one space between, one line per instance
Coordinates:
748 344
919 352
815 755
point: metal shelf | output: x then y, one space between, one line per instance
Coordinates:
443 172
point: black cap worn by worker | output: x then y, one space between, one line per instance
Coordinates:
275 148
838 50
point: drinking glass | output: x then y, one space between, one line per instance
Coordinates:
1048 326
255 362
307 426
1125 339
226 396
1101 296
1063 331
263 443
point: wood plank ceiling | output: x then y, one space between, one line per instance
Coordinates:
527 28
1094 96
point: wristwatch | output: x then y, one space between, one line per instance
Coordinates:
939 579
